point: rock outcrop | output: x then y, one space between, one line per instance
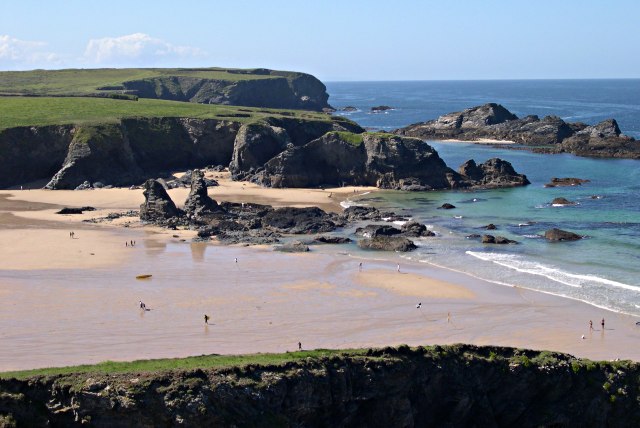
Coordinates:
566 181
376 159
550 134
561 235
387 243
198 202
439 386
158 205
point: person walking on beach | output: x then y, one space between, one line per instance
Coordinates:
590 325
360 266
206 319
602 324
299 346
398 267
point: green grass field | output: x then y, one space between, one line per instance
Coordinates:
87 81
41 111
200 362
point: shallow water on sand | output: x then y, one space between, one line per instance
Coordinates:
602 269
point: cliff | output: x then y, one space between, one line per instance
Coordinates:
242 87
455 386
550 134
132 150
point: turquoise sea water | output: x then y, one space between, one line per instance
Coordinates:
604 268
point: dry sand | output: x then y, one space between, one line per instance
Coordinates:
71 301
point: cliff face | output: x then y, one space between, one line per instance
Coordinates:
280 90
32 153
132 150
550 134
458 385
382 160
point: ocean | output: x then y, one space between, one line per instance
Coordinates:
603 269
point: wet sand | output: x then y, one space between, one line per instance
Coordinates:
62 305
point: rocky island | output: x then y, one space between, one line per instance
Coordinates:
550 134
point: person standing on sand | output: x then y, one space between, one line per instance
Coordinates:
602 324
299 346
143 306
398 267
590 325
206 319
360 267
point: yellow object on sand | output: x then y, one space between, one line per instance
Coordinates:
143 276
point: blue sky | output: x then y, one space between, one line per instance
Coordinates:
334 40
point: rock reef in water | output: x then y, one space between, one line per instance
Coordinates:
455 386
550 134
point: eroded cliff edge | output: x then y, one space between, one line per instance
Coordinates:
459 385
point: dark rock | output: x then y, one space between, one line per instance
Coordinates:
492 173
198 202
562 201
561 235
68 210
332 240
254 145
299 220
490 226
379 109
360 213
474 236
548 135
387 243
490 239
349 108
416 230
567 181
84 186
292 247
503 240
381 160
157 206
373 230
447 206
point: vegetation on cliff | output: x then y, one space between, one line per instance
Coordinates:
459 385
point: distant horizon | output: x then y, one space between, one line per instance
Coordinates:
514 79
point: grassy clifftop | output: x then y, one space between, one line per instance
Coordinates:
459 385
251 87
82 82
43 111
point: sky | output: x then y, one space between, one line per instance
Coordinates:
348 40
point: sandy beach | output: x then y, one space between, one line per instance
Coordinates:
72 300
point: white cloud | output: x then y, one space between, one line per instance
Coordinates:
136 48
15 52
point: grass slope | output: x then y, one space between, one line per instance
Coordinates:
200 362
41 111
76 82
